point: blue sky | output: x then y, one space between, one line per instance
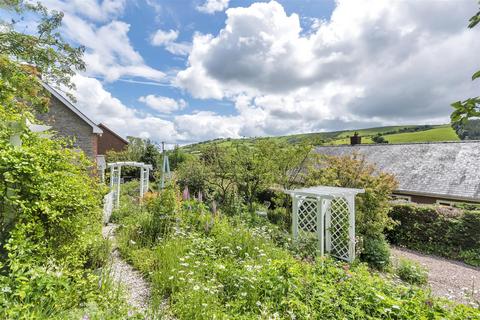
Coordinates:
191 70
183 16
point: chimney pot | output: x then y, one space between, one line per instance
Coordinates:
355 139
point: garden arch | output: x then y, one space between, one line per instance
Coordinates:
115 175
328 215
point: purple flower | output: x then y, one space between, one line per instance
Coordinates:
186 194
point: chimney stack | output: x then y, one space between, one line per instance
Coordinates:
355 139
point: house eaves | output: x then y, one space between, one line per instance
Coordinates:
96 129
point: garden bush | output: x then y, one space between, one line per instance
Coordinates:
219 267
452 233
51 246
376 252
411 272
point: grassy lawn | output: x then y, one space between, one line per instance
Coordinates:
440 133
443 133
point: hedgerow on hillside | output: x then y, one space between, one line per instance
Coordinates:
209 266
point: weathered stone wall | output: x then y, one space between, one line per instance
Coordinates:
68 124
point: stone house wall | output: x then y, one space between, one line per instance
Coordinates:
68 124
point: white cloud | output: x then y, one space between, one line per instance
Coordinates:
162 37
109 52
206 125
212 6
167 40
163 104
101 106
91 9
372 63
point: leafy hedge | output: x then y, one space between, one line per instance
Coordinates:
51 247
205 266
452 233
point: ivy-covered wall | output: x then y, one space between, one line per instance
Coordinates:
449 232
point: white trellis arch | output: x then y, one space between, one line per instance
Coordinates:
328 215
116 172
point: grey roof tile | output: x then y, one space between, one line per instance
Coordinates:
446 168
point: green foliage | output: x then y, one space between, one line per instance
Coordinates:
378 138
464 110
50 239
474 20
213 267
468 130
44 52
280 216
376 252
452 233
238 175
411 272
176 157
52 254
469 108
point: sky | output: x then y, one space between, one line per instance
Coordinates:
184 71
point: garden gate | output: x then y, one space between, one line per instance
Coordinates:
326 214
116 172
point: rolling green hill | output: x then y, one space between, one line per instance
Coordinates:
393 134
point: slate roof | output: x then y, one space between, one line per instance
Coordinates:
443 169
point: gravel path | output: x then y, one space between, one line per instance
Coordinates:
137 288
447 278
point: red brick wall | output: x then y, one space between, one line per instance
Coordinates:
109 141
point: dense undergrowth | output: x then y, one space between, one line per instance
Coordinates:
216 267
52 255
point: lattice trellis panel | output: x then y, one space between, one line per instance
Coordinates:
326 214
114 183
307 217
338 228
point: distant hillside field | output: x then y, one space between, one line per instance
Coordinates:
393 134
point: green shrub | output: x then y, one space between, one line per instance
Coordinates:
452 233
471 256
376 252
281 217
411 272
50 229
371 207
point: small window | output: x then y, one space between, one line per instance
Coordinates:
402 198
445 203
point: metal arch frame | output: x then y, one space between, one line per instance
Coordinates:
321 198
116 173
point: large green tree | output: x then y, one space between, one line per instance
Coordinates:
27 57
469 108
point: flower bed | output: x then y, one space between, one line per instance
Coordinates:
224 268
